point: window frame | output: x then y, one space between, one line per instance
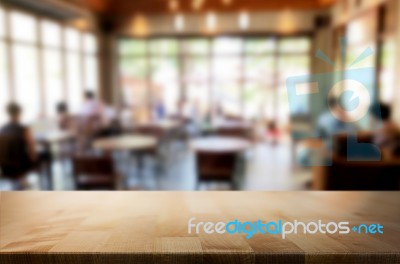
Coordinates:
40 47
183 55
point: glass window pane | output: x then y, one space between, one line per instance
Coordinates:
165 82
53 80
4 84
293 65
196 46
227 95
23 27
227 68
26 79
72 37
387 74
260 68
134 72
196 69
164 46
227 45
90 44
260 45
197 82
294 45
91 73
2 23
352 53
51 34
258 100
74 81
133 47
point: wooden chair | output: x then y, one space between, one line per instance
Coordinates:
94 172
356 175
216 167
13 166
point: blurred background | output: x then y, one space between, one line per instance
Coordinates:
192 95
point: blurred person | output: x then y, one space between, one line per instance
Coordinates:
92 107
18 154
386 137
273 133
328 125
64 119
159 111
92 120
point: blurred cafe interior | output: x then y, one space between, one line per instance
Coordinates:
196 95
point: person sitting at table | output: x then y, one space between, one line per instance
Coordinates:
17 151
92 107
386 137
64 120
92 118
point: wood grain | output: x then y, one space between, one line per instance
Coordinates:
151 227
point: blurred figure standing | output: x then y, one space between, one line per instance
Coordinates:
159 111
92 118
92 107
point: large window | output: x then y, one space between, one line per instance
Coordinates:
43 63
242 76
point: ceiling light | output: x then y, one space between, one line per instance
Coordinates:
173 5
244 20
211 21
196 4
227 2
179 22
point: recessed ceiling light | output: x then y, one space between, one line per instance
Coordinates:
173 5
197 4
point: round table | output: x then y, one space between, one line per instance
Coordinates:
218 144
125 143
132 143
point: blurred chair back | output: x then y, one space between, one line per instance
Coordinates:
150 130
239 132
362 176
94 172
356 175
215 167
340 142
14 158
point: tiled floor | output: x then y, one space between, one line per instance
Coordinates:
267 168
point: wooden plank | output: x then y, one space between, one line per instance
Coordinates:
152 227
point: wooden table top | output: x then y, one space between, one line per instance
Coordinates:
220 144
165 124
152 227
125 143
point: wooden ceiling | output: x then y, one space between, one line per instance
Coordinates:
112 8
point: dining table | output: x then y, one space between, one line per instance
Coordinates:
220 144
135 144
220 158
